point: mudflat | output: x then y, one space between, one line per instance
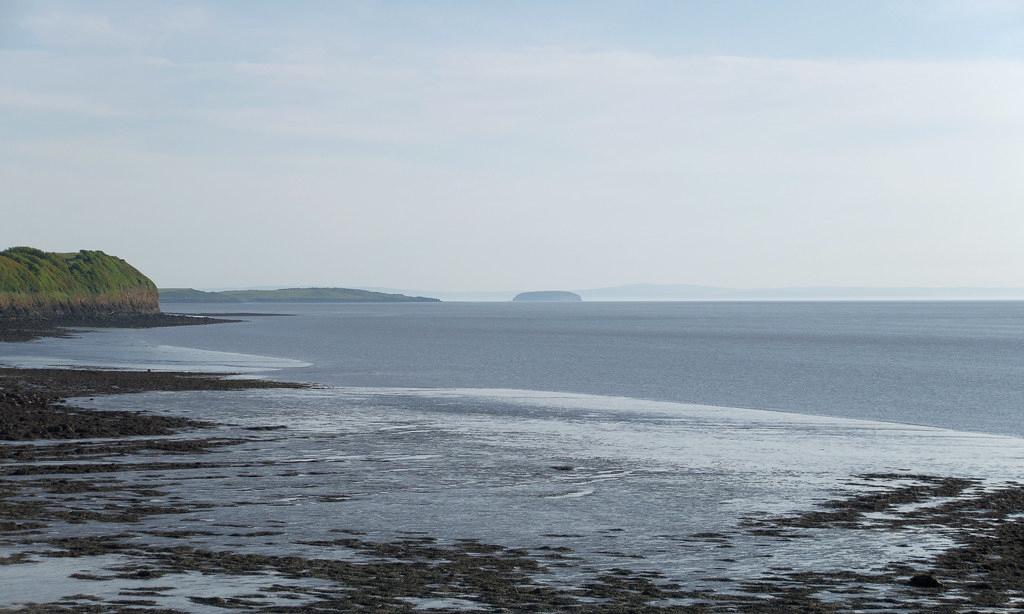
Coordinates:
95 490
14 329
32 402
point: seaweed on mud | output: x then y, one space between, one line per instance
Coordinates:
32 407
113 483
849 511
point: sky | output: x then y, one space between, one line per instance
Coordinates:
520 145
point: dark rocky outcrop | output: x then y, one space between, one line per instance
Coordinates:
924 581
32 402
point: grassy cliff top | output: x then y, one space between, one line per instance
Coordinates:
43 285
29 271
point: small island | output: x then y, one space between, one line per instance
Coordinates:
548 296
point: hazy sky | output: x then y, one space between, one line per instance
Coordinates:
493 144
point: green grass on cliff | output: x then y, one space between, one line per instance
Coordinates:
32 280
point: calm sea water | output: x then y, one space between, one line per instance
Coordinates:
948 364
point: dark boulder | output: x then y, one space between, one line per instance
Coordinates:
924 580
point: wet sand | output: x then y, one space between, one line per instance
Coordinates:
78 486
32 402
28 329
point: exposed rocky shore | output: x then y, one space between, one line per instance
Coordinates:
14 329
102 488
32 402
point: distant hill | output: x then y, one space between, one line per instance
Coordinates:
289 295
548 296
656 292
190 295
693 292
34 283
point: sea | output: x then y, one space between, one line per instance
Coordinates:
618 430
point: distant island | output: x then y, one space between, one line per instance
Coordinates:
38 284
549 296
288 295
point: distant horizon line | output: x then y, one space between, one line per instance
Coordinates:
646 292
592 288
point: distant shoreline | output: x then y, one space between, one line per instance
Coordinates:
288 295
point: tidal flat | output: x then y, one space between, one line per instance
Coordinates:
181 492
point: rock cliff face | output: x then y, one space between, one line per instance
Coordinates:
38 284
548 296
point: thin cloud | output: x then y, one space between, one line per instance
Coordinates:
504 165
